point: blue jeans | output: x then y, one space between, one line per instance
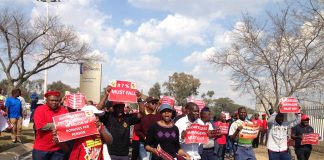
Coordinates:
208 154
43 155
244 153
219 151
278 155
143 154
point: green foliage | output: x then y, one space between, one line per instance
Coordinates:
61 87
155 91
181 86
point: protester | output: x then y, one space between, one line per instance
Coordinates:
184 111
278 133
264 129
257 121
231 145
91 147
44 145
207 151
220 146
135 145
118 124
244 147
303 152
147 121
15 111
183 123
165 134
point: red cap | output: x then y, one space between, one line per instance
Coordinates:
264 114
52 93
304 117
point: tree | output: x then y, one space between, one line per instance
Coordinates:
61 87
155 91
280 58
208 100
181 86
32 46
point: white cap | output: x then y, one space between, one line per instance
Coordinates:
92 108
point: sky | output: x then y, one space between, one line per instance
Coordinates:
146 41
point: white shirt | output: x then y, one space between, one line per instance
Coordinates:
277 140
192 148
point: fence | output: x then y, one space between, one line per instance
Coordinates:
316 120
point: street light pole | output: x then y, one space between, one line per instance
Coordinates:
47 21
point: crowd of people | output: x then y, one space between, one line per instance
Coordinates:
155 131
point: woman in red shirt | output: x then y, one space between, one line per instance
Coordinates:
223 127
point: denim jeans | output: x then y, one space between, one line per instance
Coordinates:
278 155
244 153
43 155
143 154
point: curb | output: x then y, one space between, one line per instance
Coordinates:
16 152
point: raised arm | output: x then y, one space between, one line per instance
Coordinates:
103 100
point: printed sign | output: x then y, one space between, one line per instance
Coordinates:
223 127
178 109
3 122
289 105
75 125
249 131
201 104
196 133
123 91
75 101
167 100
310 138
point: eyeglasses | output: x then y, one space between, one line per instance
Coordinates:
154 103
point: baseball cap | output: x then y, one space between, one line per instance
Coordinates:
151 99
92 108
304 117
164 106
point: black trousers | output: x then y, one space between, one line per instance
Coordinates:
303 152
135 150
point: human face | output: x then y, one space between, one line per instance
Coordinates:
222 117
152 105
279 118
52 102
242 114
166 115
305 122
119 109
193 113
205 116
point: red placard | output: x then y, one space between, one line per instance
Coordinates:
201 104
167 100
223 128
75 101
75 125
196 133
289 105
178 109
310 138
123 91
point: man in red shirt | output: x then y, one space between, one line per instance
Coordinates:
256 120
264 129
44 146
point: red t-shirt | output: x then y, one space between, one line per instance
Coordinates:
264 124
87 148
222 138
44 139
258 122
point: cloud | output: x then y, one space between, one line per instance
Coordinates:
209 9
128 22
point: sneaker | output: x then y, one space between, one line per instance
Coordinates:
19 141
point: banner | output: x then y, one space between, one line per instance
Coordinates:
310 138
196 133
289 105
167 100
223 127
123 91
3 122
75 125
249 131
178 110
75 101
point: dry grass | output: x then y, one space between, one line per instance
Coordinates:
27 136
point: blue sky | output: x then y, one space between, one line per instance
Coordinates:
145 41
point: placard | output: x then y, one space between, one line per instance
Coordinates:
289 105
310 138
163 154
196 133
223 127
75 125
3 122
167 100
201 104
75 101
123 91
249 131
178 110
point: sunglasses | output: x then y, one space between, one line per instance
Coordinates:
154 103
